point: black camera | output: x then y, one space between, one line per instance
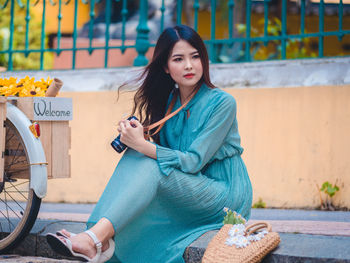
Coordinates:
117 144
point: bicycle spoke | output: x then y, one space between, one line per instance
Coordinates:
9 139
14 163
17 184
8 219
18 191
16 170
7 211
14 200
7 206
20 162
14 157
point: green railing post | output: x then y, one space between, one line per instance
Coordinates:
266 19
248 25
284 29
124 14
340 10
162 10
178 11
196 8
75 33
142 43
42 44
27 28
12 31
91 25
321 29
212 55
302 18
108 21
231 6
59 21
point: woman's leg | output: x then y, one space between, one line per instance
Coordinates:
131 189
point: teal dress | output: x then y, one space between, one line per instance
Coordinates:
159 207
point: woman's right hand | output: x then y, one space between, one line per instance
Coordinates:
132 135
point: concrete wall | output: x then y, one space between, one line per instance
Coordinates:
294 120
294 139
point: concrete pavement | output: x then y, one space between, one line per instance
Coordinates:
307 235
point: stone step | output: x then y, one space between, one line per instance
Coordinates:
296 246
21 259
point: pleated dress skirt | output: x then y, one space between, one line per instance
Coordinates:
155 217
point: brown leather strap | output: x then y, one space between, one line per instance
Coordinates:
161 122
257 226
168 115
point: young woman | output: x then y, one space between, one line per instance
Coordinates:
165 194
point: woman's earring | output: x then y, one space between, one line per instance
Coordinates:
176 86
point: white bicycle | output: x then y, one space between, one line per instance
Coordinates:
24 177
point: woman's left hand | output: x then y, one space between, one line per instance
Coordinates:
131 133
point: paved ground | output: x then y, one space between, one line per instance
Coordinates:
260 214
282 220
294 214
20 259
307 235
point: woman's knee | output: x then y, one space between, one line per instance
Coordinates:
135 164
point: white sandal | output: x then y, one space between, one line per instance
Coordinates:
108 253
98 245
65 247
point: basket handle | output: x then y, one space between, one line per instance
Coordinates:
257 226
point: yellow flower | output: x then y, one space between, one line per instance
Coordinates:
10 90
26 87
7 82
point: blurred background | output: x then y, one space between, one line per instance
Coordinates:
285 61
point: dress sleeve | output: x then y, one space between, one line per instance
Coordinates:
206 144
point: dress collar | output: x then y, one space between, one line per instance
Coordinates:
195 98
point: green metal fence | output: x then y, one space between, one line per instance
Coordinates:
240 43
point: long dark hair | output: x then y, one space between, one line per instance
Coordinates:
151 98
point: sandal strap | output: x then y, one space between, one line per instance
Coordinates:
97 242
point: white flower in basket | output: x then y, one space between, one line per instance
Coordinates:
238 229
239 241
237 233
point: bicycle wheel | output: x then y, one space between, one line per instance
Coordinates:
19 205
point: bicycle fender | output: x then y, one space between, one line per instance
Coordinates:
36 154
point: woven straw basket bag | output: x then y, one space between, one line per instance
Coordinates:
218 251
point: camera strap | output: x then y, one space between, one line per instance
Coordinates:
168 115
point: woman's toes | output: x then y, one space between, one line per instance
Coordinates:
67 233
63 239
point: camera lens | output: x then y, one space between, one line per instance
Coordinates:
117 144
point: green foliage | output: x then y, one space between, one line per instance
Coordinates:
329 189
232 217
295 48
259 204
20 60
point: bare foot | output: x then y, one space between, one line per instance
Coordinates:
83 243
